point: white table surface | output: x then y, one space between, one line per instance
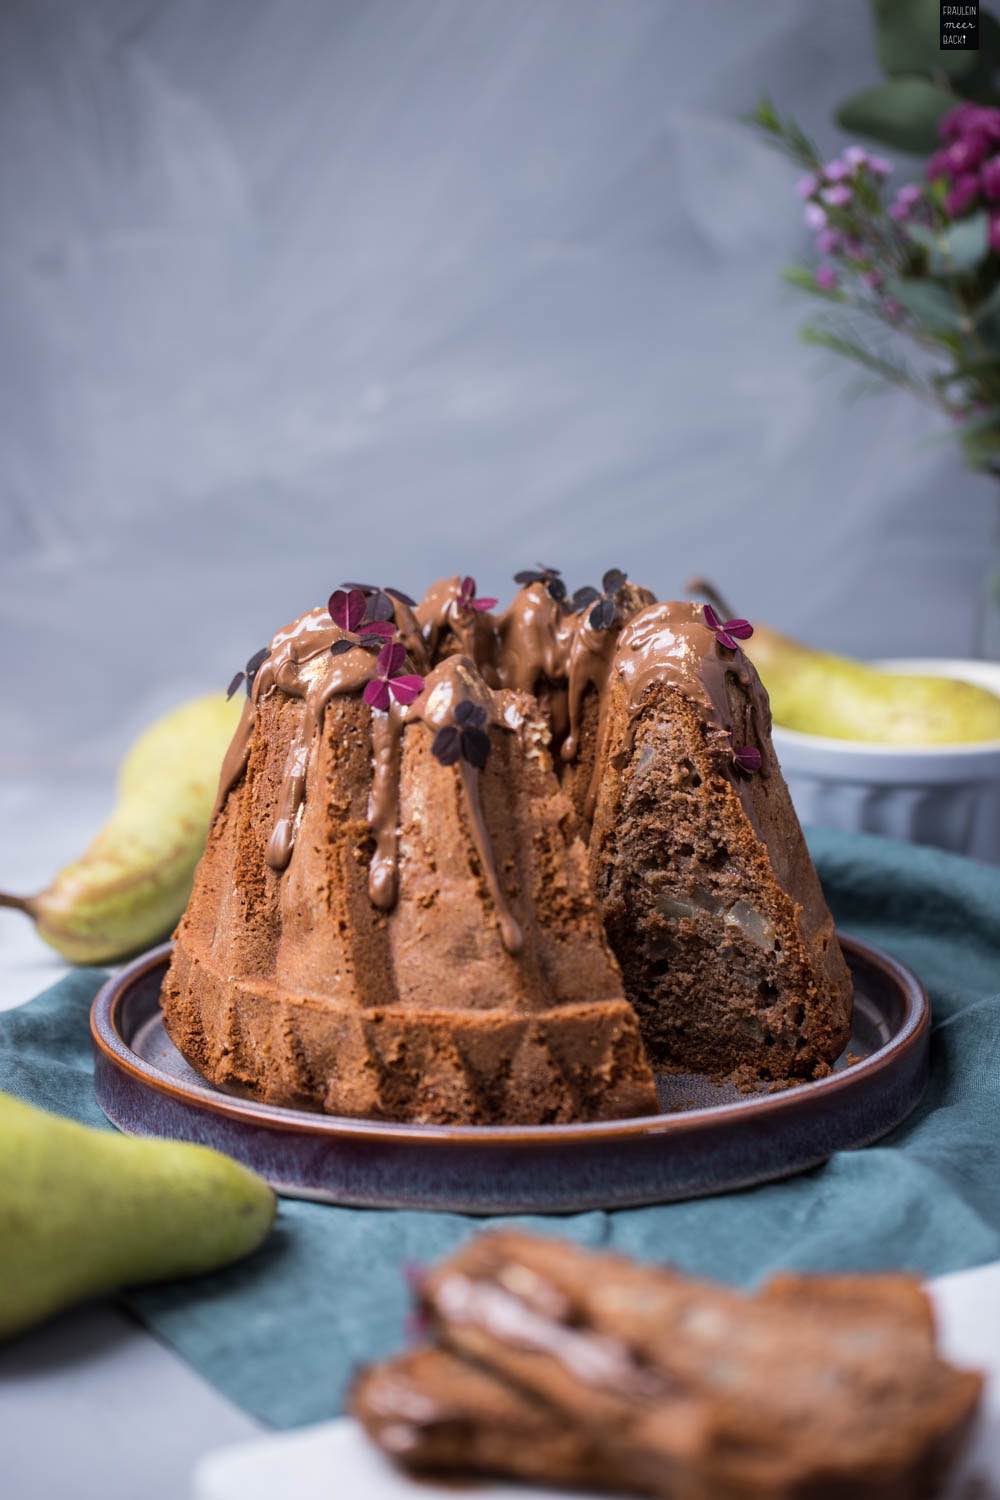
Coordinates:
92 1407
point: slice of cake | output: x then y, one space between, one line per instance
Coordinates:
709 896
662 1385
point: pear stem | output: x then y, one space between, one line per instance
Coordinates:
711 593
18 903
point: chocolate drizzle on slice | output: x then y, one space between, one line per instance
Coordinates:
594 1358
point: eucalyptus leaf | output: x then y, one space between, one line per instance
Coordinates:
956 251
902 113
934 306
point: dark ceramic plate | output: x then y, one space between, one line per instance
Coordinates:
708 1140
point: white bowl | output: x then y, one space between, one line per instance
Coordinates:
947 795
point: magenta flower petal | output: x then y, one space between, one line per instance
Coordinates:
391 658
347 609
376 693
748 759
963 194
406 689
989 179
742 629
482 605
711 618
725 639
814 215
381 628
837 196
468 587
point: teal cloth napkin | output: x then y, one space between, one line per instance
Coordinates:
280 1334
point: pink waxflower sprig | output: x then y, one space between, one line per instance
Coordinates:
728 633
922 265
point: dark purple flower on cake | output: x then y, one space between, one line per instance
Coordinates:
347 610
391 681
371 588
467 601
543 573
747 759
728 633
465 739
249 672
605 611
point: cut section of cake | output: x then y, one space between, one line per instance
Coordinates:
393 916
709 896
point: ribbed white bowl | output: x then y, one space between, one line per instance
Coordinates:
948 795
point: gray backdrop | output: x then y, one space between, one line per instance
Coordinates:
295 290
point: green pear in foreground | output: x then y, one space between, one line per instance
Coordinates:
818 693
83 1212
131 885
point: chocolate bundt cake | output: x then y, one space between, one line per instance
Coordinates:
551 1363
397 914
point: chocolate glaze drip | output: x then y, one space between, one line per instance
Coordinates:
535 645
593 1358
439 612
671 643
456 680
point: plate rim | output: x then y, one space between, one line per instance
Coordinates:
107 1040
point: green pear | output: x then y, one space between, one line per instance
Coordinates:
131 885
818 693
83 1212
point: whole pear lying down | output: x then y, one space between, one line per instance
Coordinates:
131 885
818 693
83 1212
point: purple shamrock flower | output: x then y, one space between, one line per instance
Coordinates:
542 573
467 603
826 278
404 687
249 672
347 609
728 633
605 609
361 613
747 759
963 194
466 739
